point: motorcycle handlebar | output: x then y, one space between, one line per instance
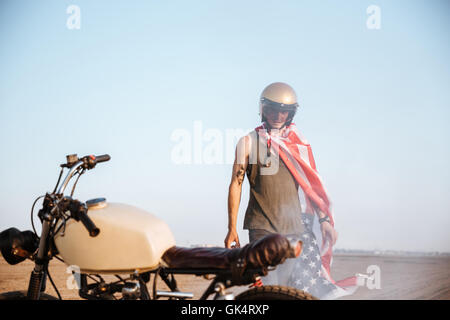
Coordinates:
88 223
78 212
103 158
89 162
74 164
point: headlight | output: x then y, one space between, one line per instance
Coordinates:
16 246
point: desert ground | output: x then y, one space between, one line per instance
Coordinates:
402 277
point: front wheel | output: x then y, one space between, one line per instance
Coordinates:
274 293
22 295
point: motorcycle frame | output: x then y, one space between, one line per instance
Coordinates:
222 276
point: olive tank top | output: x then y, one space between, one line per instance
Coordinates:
274 203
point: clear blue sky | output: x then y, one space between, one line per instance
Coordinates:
374 105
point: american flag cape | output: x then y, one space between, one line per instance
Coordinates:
295 151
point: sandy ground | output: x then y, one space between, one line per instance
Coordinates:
401 277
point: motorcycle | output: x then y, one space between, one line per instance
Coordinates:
103 238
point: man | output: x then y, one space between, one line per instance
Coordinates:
276 187
274 204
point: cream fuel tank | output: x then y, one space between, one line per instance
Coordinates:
130 239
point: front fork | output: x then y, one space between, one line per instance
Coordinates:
39 274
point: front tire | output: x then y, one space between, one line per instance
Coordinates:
22 295
274 293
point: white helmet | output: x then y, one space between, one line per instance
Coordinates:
281 96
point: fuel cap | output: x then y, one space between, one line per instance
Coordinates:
96 203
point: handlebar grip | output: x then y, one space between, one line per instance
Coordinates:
103 158
88 223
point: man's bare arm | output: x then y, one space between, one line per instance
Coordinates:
328 231
234 193
235 189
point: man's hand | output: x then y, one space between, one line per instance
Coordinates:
231 237
328 233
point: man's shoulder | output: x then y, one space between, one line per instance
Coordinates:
248 138
245 143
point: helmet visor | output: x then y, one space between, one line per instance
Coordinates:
275 107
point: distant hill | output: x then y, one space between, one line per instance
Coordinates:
391 253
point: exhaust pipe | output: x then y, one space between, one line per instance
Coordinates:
174 294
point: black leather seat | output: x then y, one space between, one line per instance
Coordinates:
270 250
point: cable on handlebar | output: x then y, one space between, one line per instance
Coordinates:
32 210
76 181
59 179
53 284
